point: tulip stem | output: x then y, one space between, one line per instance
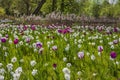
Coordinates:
116 70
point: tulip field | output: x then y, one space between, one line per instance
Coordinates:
59 52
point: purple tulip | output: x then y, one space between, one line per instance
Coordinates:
115 41
33 27
40 50
6 36
16 41
60 31
64 31
100 48
3 40
54 65
27 40
80 55
69 30
100 29
115 29
25 28
109 32
113 55
54 48
39 45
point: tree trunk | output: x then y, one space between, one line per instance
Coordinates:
40 4
62 6
27 9
27 3
53 5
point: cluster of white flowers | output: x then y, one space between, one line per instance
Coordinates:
2 71
87 53
4 48
64 59
21 60
1 77
65 39
46 64
93 57
66 72
79 73
34 72
79 45
10 67
14 59
93 43
33 63
101 41
68 65
1 64
40 50
48 44
75 34
6 54
21 43
113 1
94 74
67 47
10 41
80 41
17 73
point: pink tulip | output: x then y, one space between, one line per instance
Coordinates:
16 41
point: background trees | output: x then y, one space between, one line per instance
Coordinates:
96 8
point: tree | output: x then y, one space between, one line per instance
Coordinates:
2 11
62 6
40 4
27 3
54 5
6 5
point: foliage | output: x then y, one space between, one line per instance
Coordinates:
95 8
47 7
2 11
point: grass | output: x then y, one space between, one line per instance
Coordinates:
81 40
